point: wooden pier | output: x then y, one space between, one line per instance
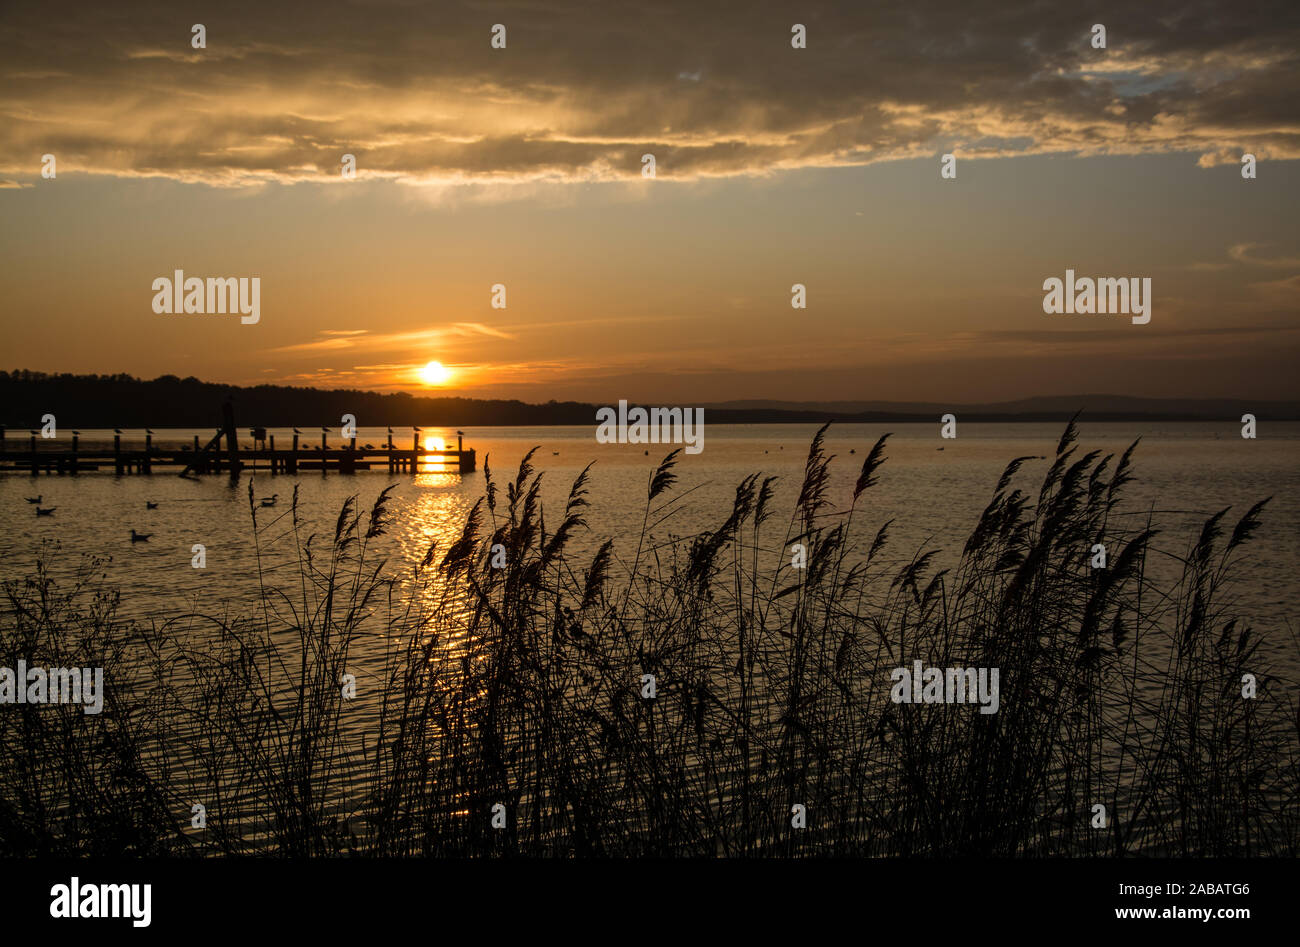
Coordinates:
223 454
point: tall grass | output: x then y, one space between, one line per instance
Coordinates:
523 687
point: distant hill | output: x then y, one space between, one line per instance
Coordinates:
105 401
1052 407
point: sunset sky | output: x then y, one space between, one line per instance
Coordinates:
775 166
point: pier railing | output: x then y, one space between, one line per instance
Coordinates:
224 454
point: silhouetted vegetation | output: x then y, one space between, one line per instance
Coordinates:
523 687
110 401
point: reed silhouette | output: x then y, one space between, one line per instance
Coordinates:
523 687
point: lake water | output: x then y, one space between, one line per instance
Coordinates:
933 489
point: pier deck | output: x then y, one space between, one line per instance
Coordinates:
224 454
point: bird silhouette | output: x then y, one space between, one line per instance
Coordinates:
44 512
36 500
140 537
150 505
271 500
296 431
117 430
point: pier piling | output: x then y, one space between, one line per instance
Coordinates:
223 453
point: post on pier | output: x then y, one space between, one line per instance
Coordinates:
232 437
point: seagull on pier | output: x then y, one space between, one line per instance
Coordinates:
37 500
40 511
117 430
296 431
140 537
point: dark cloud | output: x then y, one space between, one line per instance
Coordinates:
583 90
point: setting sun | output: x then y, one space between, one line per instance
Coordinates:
435 373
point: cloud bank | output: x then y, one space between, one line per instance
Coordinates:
582 90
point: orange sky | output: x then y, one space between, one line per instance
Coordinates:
522 166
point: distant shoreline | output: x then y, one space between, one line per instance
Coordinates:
112 401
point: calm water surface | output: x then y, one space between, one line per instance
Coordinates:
1185 472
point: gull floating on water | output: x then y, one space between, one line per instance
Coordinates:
140 537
